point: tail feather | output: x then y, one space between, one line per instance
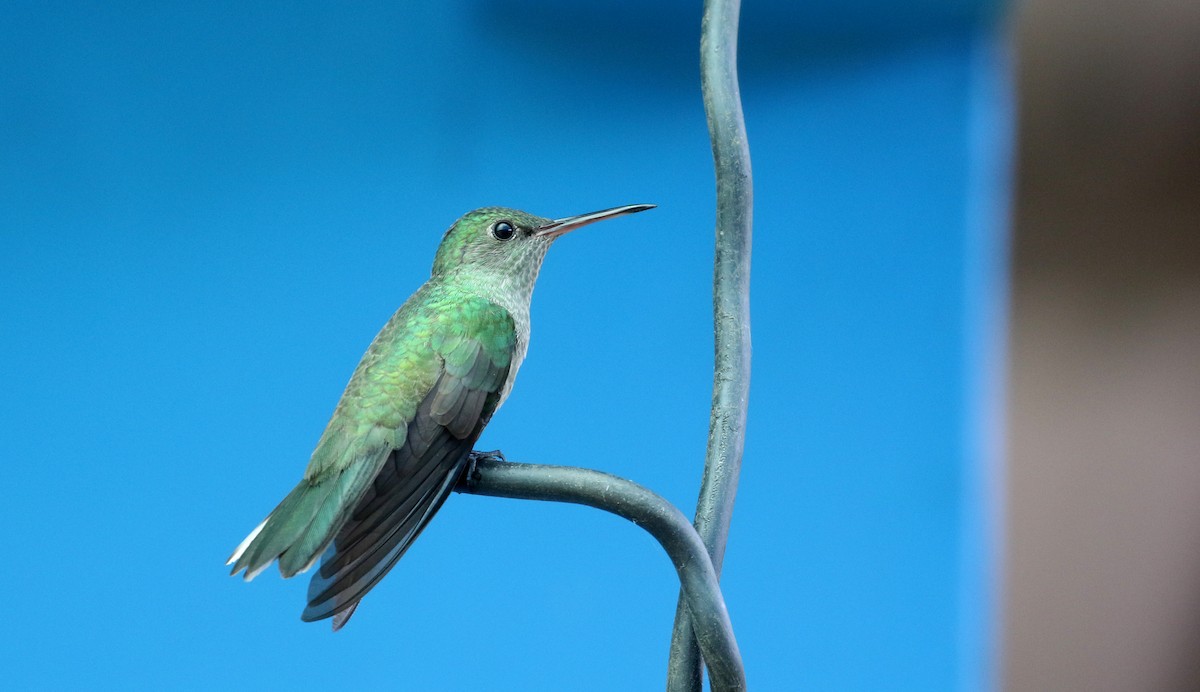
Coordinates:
238 551
297 531
326 521
283 527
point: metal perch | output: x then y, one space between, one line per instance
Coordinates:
489 474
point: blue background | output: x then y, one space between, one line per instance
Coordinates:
207 210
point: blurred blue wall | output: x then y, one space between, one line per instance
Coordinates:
207 209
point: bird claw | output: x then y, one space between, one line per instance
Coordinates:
471 476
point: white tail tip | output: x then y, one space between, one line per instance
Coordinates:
237 552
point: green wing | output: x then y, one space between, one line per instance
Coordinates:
418 476
376 480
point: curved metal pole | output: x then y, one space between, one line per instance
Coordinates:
731 314
489 474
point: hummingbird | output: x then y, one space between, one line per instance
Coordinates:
400 436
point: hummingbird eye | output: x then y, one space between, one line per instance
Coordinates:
502 230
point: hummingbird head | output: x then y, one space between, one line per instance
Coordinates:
505 247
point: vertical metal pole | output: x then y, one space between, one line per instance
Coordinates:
731 312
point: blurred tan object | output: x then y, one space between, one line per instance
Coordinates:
1103 544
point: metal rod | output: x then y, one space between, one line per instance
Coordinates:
731 315
489 474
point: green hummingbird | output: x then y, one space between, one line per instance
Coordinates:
400 436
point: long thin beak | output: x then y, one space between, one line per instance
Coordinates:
559 226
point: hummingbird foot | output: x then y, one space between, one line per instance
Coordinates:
471 474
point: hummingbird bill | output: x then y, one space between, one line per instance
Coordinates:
400 436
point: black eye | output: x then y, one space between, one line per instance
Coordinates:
502 230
